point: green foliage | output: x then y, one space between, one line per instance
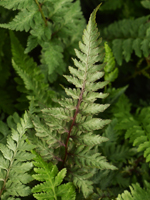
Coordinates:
34 81
136 126
110 183
68 130
51 188
55 26
110 73
128 35
137 193
16 162
76 156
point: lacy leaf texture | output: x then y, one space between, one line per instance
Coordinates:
33 81
67 133
55 26
127 36
137 193
51 178
15 162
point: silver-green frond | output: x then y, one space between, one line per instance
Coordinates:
15 162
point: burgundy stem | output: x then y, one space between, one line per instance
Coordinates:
73 123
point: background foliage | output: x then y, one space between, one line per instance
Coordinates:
45 53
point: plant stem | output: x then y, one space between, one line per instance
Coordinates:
40 9
73 123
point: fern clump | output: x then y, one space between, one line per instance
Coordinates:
16 163
68 130
55 26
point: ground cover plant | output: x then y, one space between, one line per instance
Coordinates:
74 100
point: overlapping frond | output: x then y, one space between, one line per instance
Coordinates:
108 180
137 193
16 4
136 127
55 26
127 36
27 69
51 186
15 162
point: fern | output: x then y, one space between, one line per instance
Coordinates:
21 22
69 129
51 188
136 127
110 183
34 80
110 73
66 127
52 25
130 161
115 153
16 162
137 193
128 35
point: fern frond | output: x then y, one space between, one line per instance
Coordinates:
111 73
114 94
69 131
16 4
52 187
20 22
80 181
52 25
118 155
33 78
128 35
136 127
50 52
89 139
16 162
86 157
137 193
